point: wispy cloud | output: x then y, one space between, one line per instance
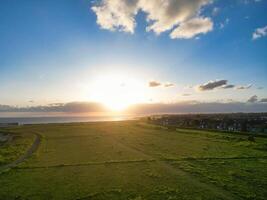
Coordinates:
244 87
251 1
215 11
183 17
168 85
157 84
188 87
223 24
228 86
186 94
259 32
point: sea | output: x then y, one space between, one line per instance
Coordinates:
67 119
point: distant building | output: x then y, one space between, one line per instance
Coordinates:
3 125
233 122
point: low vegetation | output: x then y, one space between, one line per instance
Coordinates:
137 161
14 145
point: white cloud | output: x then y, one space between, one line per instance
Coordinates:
192 28
116 14
259 32
164 15
161 16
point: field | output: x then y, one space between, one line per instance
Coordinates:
132 160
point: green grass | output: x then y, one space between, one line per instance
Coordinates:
134 160
11 150
246 178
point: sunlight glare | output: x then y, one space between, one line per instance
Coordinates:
117 92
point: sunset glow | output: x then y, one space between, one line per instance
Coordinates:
111 99
117 91
107 55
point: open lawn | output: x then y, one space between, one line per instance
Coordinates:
133 160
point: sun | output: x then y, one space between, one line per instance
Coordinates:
116 91
116 105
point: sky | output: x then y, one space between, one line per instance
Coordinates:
125 52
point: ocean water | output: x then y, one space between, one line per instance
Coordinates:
47 120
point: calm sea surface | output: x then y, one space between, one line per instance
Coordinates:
46 120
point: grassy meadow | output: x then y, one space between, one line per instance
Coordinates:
133 160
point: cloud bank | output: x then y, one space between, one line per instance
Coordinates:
198 107
254 99
57 107
146 108
181 17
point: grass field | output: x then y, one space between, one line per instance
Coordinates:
133 160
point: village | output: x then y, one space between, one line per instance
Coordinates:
235 122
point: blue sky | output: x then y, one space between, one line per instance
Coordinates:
52 51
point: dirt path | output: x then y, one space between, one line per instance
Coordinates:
26 155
